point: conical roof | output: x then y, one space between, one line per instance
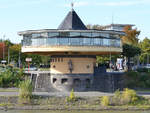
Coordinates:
72 22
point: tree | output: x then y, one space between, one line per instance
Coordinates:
131 36
15 49
145 47
130 51
45 60
8 43
14 52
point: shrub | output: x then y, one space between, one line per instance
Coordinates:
129 96
131 79
72 97
11 77
105 101
25 92
116 99
142 70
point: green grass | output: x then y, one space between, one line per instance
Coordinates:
9 90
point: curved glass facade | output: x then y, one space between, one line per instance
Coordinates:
73 34
71 41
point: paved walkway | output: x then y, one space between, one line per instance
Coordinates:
62 94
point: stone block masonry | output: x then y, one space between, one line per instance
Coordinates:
104 82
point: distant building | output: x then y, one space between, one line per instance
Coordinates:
117 27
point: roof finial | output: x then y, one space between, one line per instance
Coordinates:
72 5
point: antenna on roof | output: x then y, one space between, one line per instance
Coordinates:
112 18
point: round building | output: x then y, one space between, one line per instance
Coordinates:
73 49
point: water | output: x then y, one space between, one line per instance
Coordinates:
46 111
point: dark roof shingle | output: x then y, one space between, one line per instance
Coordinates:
72 22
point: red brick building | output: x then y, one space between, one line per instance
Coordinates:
2 46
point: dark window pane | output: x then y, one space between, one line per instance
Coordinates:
64 34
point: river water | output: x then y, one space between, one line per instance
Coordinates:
46 111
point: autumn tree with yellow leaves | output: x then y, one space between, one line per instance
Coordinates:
131 36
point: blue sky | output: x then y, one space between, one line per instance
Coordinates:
19 15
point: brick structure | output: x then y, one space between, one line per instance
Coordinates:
3 46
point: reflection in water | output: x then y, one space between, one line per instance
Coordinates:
47 111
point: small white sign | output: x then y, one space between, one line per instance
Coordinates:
3 61
28 59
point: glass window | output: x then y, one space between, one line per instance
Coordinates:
74 41
86 34
118 43
41 41
35 35
34 41
95 34
87 41
27 41
101 41
44 34
63 41
52 41
112 42
92 41
106 42
74 34
104 35
22 42
64 34
96 41
53 34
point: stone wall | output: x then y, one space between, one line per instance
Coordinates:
78 82
108 82
100 81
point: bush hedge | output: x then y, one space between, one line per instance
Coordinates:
137 79
11 77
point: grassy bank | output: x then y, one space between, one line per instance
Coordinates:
62 103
